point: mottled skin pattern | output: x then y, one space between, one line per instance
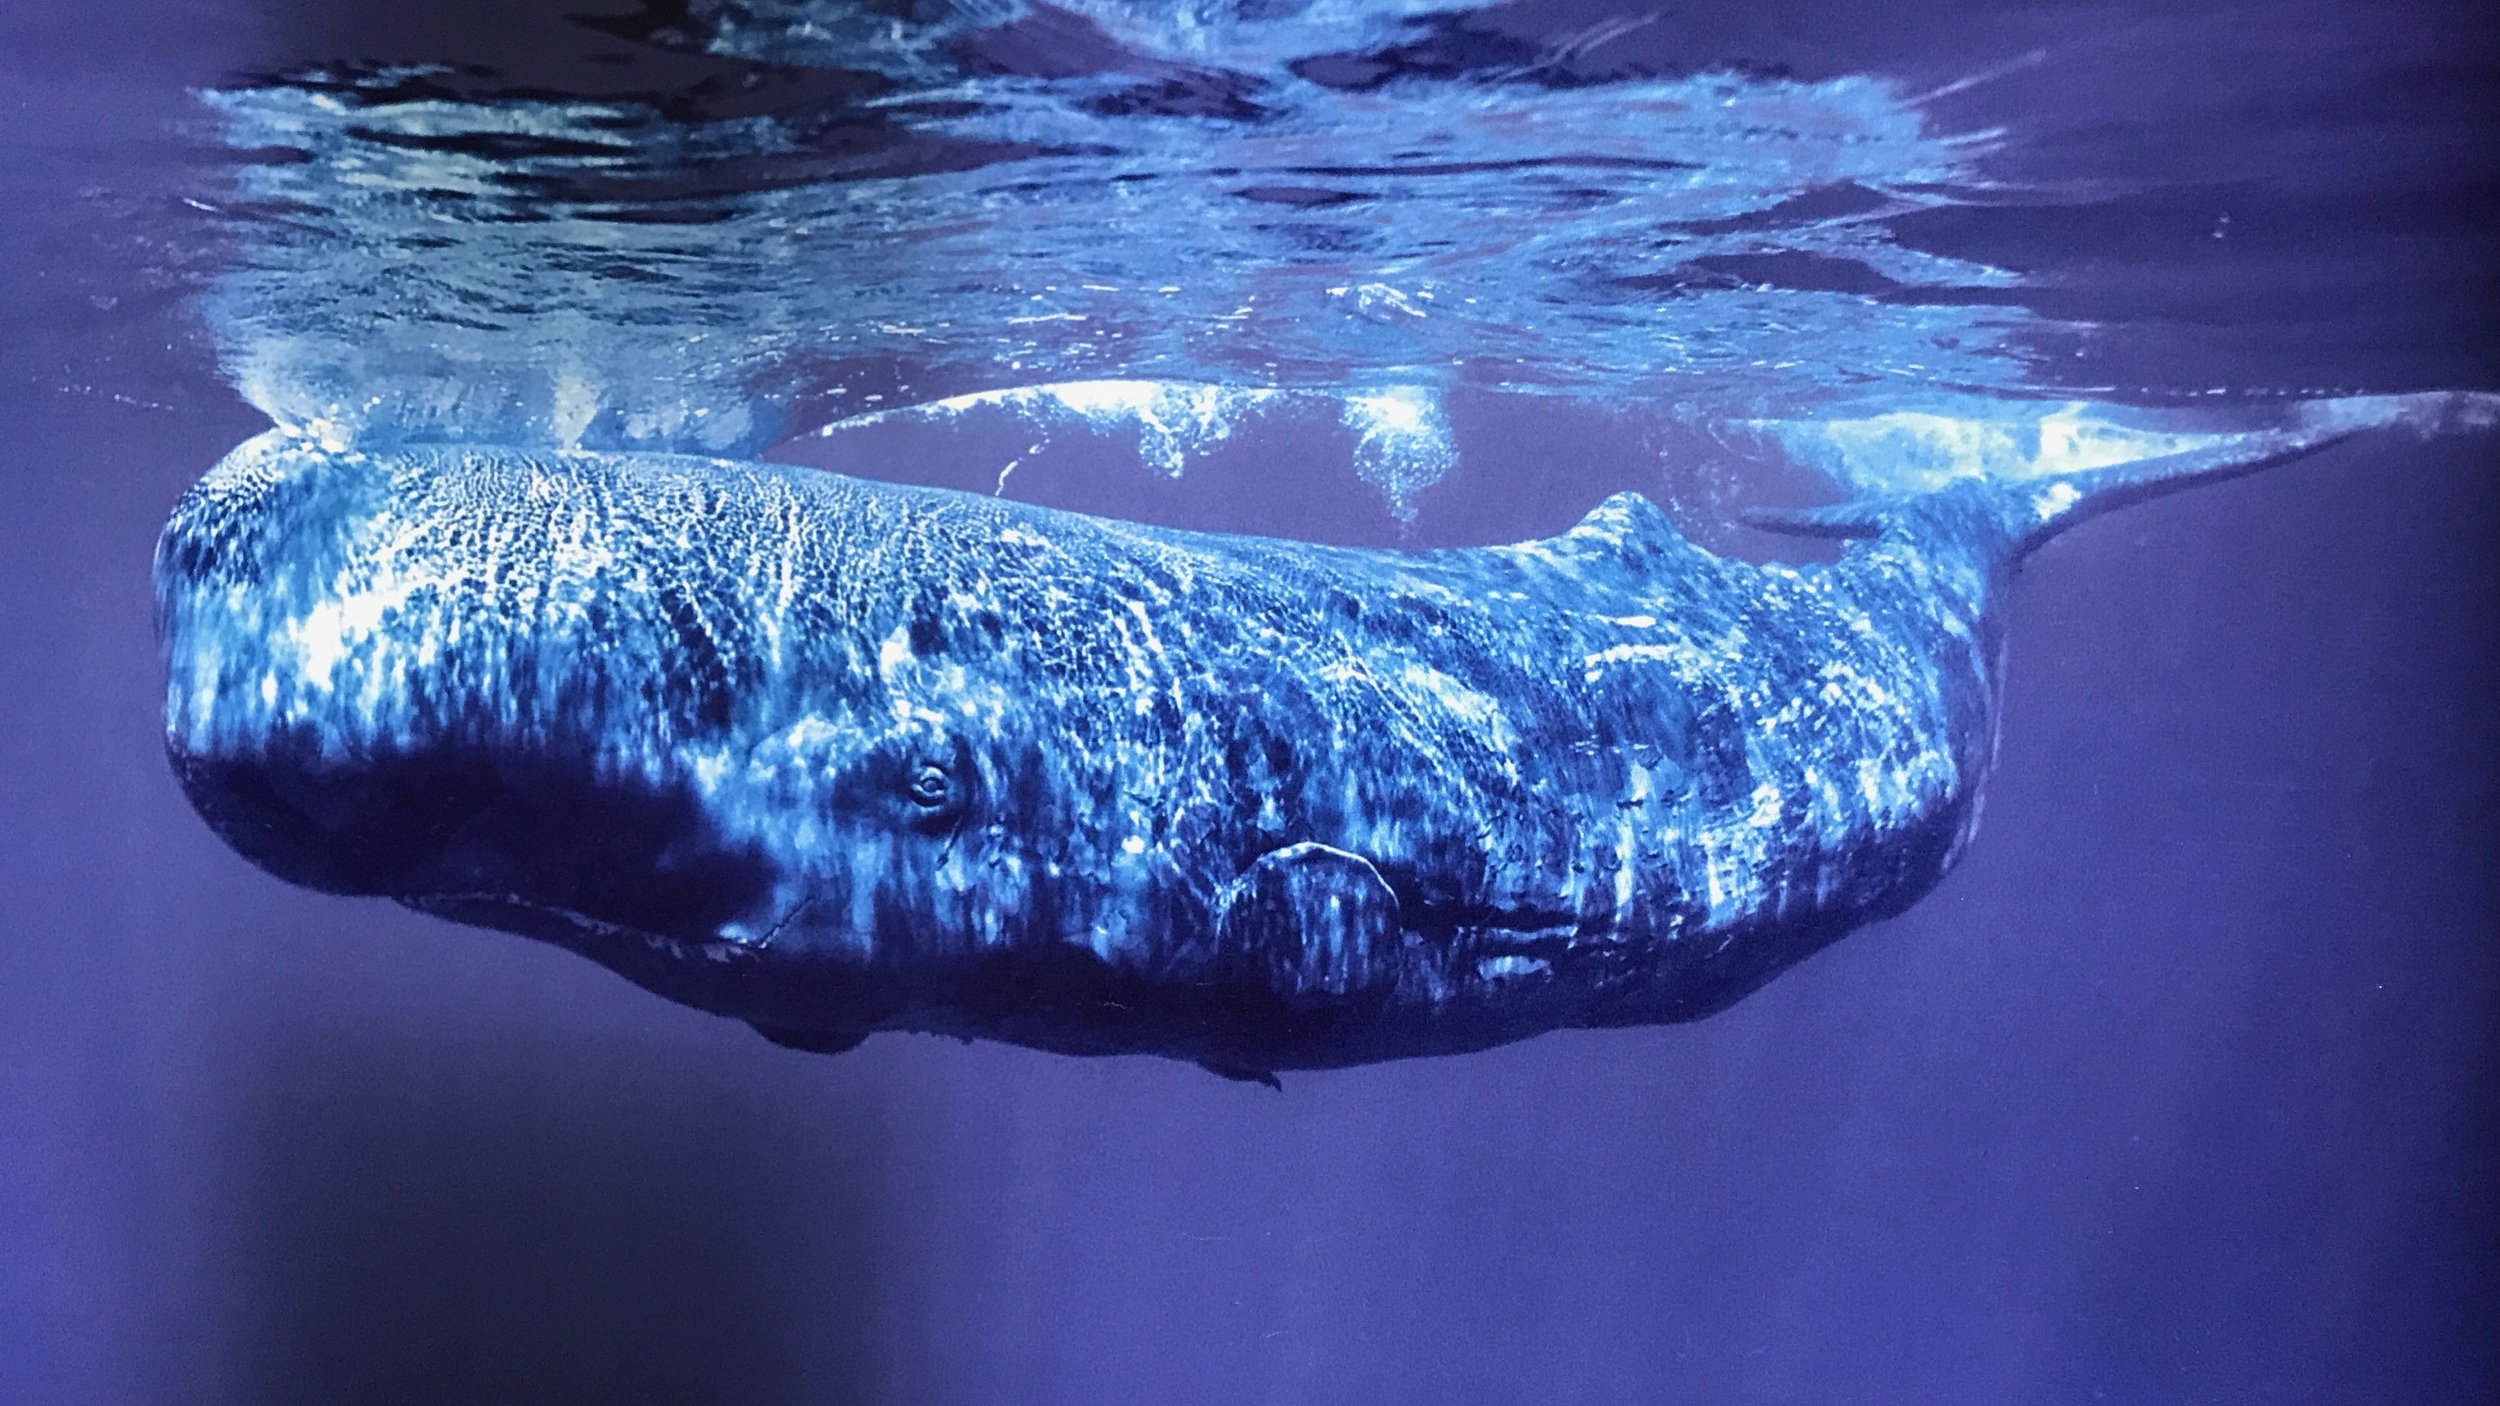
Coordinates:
834 757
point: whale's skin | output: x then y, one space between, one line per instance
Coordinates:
834 756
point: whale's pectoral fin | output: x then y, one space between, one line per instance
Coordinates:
1312 921
811 1041
1243 1074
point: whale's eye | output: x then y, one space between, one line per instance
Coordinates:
929 789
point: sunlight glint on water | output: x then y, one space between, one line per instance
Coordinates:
431 258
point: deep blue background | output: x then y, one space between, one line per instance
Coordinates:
2181 1089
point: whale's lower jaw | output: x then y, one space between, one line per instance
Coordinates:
1063 998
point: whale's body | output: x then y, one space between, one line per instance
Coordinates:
834 757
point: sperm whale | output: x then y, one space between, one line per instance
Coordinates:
834 757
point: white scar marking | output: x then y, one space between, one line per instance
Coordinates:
895 654
2057 499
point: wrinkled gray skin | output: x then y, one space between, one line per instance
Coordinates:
835 757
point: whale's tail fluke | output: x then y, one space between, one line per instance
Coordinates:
2016 513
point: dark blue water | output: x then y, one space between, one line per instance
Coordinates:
2179 1090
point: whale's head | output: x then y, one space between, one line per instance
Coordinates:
692 720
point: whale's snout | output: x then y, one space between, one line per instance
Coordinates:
427 677
264 746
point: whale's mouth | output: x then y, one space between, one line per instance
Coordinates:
616 944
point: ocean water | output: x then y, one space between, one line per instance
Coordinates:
2179 1089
